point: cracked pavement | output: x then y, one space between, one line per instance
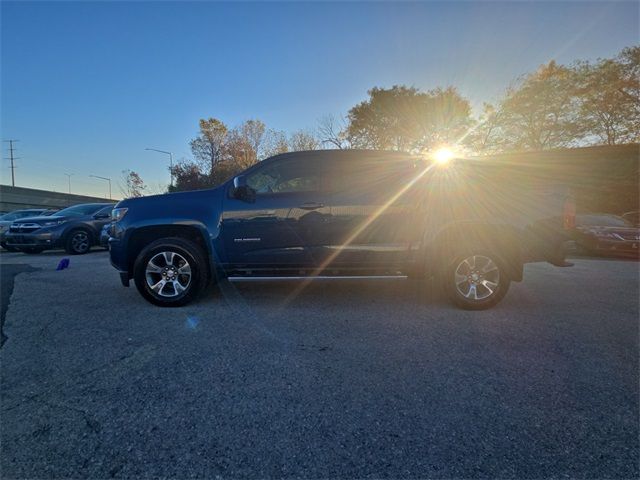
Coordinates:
349 379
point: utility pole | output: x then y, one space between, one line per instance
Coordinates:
69 175
12 158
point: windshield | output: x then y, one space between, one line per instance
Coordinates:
20 214
79 210
602 221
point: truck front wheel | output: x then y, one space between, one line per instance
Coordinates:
170 272
476 280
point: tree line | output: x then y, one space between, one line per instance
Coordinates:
219 152
556 106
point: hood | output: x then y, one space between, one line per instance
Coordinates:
172 203
172 207
50 218
168 198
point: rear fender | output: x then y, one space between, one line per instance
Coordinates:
441 247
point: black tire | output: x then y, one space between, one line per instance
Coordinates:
178 288
32 250
485 280
8 248
78 242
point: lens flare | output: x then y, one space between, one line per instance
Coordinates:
443 155
192 323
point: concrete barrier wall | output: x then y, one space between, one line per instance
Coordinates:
13 198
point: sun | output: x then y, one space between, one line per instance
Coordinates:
443 155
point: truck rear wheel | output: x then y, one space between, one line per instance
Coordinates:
170 272
476 280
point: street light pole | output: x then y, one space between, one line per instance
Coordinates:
104 178
69 175
170 160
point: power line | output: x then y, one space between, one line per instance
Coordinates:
12 158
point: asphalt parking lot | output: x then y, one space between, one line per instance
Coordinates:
348 379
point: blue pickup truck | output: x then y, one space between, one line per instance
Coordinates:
471 224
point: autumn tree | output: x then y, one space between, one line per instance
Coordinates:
447 118
189 176
275 143
239 150
388 120
541 111
629 59
132 185
487 135
609 97
333 133
302 140
208 147
561 106
404 118
252 133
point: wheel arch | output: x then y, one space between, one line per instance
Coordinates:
93 236
143 236
503 239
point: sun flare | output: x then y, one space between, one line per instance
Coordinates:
443 155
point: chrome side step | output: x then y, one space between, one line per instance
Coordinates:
320 277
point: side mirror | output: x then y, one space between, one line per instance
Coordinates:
241 190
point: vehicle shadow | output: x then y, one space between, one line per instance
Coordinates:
339 292
621 258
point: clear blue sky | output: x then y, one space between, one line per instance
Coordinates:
86 86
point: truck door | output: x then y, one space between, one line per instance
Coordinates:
375 215
273 230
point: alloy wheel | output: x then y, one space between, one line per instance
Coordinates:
477 277
168 274
80 242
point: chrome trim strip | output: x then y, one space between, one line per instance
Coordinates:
319 277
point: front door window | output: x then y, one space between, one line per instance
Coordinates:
276 228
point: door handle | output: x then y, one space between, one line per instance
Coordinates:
311 206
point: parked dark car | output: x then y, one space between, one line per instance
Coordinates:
606 234
7 219
76 229
471 224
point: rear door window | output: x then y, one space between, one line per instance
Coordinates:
372 178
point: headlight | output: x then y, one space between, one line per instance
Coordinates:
601 234
118 213
53 223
